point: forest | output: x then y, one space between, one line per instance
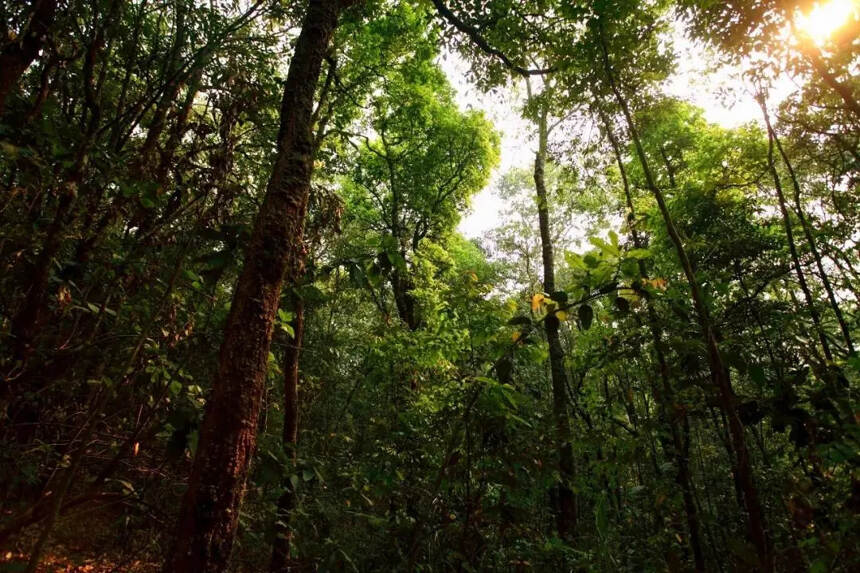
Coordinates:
429 285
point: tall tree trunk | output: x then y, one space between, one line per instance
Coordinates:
807 229
567 511
17 56
289 436
756 526
665 397
792 245
228 436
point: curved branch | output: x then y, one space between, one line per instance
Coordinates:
479 41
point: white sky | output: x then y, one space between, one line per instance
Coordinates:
694 81
503 109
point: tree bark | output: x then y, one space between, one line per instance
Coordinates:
17 56
210 509
290 437
567 511
401 286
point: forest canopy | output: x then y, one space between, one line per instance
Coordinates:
429 285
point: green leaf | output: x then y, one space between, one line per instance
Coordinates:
757 375
638 253
604 247
519 420
630 268
574 260
9 149
559 296
311 294
520 321
586 315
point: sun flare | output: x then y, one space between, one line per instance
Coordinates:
825 18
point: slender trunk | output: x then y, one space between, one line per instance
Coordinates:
180 125
756 527
26 323
807 231
290 434
567 511
792 246
171 69
116 130
210 509
664 397
850 277
44 89
17 56
68 479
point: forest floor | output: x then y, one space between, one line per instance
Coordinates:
71 548
58 560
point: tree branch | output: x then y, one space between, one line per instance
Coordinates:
481 43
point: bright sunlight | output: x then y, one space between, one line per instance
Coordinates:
825 18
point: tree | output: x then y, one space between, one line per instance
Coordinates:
207 523
414 179
242 303
23 46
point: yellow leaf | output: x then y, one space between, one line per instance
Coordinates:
64 297
561 315
516 335
537 300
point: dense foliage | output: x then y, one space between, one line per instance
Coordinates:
240 330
